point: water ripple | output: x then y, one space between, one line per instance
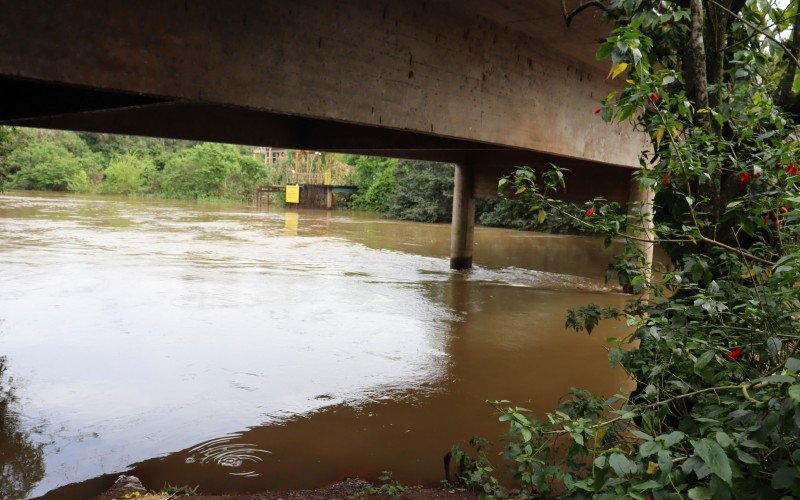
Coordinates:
227 453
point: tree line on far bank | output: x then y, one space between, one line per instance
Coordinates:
51 160
81 162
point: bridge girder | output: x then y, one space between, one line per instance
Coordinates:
487 83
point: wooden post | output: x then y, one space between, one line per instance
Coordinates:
329 197
463 223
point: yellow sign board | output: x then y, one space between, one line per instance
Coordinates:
293 194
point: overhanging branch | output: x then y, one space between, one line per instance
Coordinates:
786 48
570 15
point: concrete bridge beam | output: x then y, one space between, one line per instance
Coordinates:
420 78
463 223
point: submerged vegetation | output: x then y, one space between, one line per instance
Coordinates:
714 346
177 491
21 457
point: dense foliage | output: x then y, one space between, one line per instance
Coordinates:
403 189
210 170
714 336
516 213
376 180
102 163
423 191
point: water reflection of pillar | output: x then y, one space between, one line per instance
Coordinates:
457 295
291 222
640 212
463 224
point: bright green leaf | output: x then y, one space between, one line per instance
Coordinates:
785 477
794 393
712 454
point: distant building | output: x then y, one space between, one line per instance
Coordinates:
270 155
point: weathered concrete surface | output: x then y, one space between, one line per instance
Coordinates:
463 225
584 180
502 73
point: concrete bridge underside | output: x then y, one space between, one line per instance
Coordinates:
485 84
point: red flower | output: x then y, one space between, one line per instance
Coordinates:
744 178
665 180
654 96
736 352
590 212
791 169
597 111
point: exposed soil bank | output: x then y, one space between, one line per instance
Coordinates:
129 486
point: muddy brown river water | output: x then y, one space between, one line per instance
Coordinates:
238 350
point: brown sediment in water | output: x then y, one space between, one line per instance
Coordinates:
278 351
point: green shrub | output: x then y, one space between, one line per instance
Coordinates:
127 174
423 192
210 170
375 196
46 160
79 182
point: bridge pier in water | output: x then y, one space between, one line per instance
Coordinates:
463 222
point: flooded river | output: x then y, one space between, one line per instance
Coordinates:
238 350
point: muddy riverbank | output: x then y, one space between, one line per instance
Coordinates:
129 487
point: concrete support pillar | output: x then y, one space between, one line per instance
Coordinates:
463 224
640 217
